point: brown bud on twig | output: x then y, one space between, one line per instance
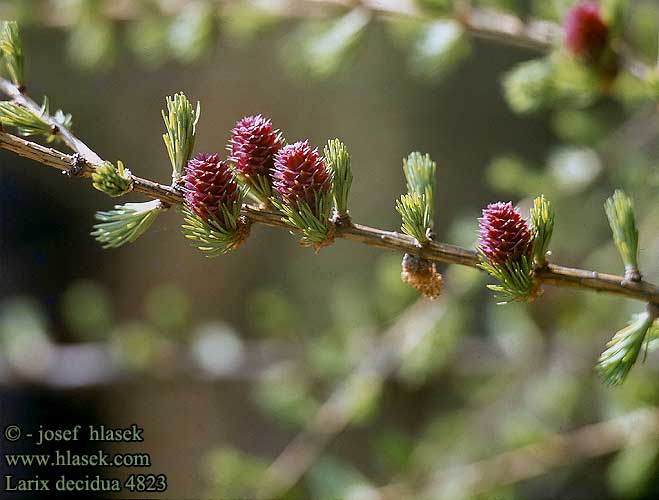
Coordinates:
422 275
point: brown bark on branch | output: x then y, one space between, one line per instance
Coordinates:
555 275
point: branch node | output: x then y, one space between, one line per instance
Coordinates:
632 275
653 309
265 204
243 228
164 205
462 12
77 166
341 221
178 184
329 238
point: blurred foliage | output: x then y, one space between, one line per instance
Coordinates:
233 472
285 393
191 33
87 310
168 308
634 471
320 48
435 47
332 478
325 38
135 346
24 336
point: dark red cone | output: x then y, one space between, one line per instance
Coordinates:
253 146
208 183
300 174
503 234
586 32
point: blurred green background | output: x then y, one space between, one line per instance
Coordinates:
224 361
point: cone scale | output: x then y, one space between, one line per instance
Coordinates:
253 146
300 175
503 234
209 183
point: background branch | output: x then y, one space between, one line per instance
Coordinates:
339 409
480 22
86 365
557 450
486 23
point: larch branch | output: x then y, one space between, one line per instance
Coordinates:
553 274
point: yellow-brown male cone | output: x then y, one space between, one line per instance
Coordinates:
422 275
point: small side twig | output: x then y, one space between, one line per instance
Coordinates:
20 97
